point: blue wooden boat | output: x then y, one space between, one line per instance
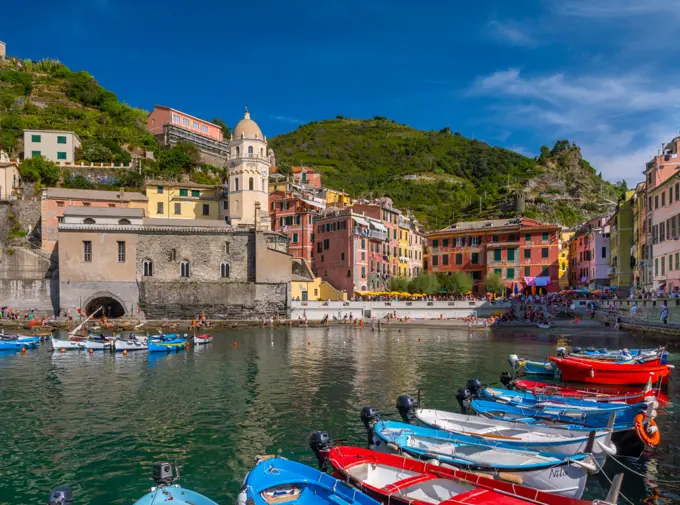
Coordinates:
17 345
529 367
529 399
169 492
546 471
167 343
276 480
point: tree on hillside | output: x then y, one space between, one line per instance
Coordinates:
226 131
180 158
40 169
494 284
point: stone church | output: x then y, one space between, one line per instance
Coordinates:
129 263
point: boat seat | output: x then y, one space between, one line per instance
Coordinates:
282 494
397 487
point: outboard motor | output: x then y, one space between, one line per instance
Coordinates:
369 416
320 443
513 359
162 473
61 495
590 349
603 350
464 398
506 379
576 349
475 387
562 352
406 406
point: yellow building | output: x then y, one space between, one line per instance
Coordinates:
336 198
404 240
565 238
316 289
183 200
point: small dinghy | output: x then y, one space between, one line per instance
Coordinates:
531 367
17 345
170 493
132 343
58 344
603 372
545 471
276 480
398 480
166 343
519 435
201 339
543 390
20 338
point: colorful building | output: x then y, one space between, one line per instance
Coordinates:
385 257
523 252
565 241
665 226
55 145
417 242
54 202
335 198
621 261
641 249
294 215
349 250
403 269
590 260
171 126
183 200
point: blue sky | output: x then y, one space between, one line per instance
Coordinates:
519 74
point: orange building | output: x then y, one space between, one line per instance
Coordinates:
523 252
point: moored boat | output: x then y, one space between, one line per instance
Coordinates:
556 473
201 339
166 343
168 492
276 480
99 343
16 345
132 343
58 344
541 389
531 367
398 480
603 372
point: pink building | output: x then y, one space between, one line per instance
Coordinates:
590 263
663 219
162 115
55 201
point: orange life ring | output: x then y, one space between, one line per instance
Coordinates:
653 439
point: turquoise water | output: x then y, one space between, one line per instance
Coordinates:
97 422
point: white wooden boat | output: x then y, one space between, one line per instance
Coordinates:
201 339
520 435
58 344
131 344
99 345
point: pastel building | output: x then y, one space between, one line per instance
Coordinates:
171 126
621 261
55 201
10 179
590 263
385 255
183 200
565 239
642 248
665 226
523 252
55 145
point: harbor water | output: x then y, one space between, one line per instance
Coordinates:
96 422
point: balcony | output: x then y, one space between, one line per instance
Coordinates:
378 235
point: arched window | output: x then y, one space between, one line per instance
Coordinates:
250 149
250 184
184 269
148 268
238 150
88 220
236 184
224 270
261 151
123 221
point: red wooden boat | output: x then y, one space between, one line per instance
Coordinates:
602 372
541 388
397 480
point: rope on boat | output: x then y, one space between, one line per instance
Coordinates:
610 481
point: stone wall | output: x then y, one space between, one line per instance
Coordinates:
74 295
27 214
27 294
234 300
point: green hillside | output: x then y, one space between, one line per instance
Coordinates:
443 176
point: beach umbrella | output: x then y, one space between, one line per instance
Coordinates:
516 288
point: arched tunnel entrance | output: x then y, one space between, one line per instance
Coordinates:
111 307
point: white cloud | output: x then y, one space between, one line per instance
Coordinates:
619 120
616 8
286 119
511 32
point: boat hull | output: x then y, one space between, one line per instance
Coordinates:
543 390
16 345
201 339
58 344
139 344
538 368
97 345
175 495
600 372
177 344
